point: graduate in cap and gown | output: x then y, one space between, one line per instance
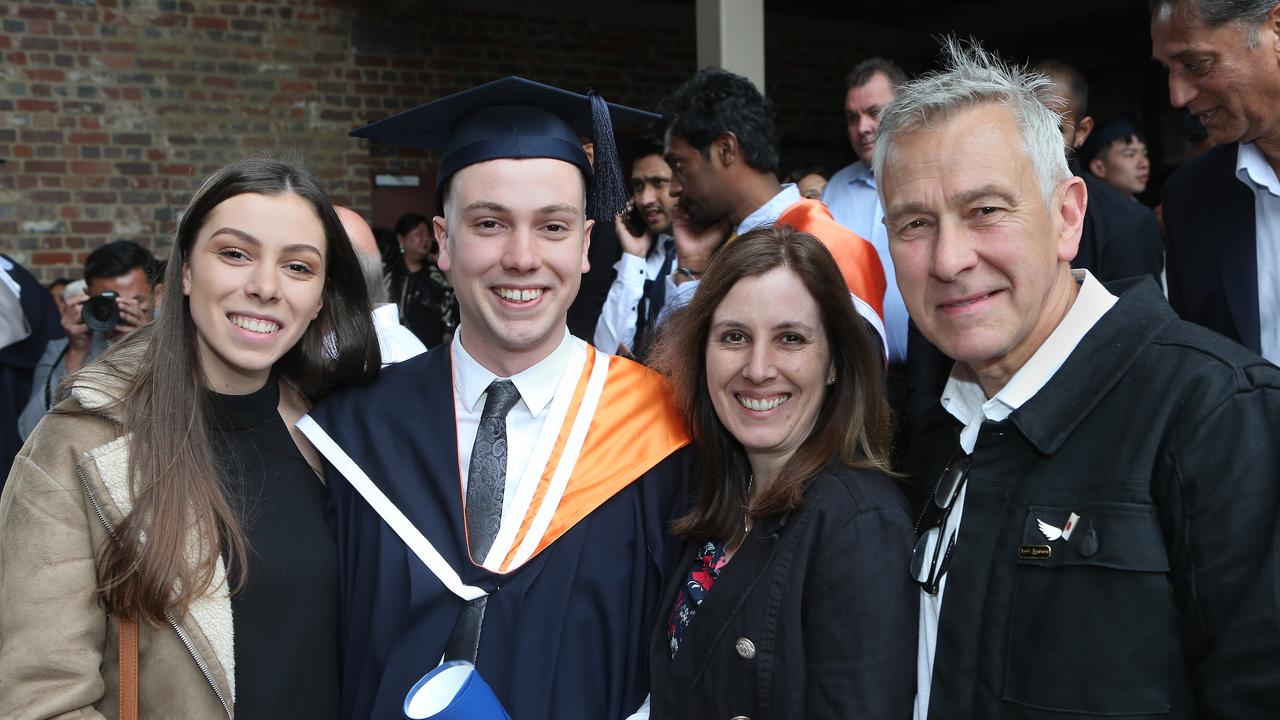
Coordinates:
506 498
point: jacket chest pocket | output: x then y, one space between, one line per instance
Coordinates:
1092 615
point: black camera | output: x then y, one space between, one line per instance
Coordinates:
100 312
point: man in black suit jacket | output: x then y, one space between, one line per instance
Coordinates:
1224 66
18 360
1212 268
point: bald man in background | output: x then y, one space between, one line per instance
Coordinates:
396 341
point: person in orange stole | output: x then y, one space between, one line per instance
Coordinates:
505 499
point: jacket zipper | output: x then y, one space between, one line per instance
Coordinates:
182 635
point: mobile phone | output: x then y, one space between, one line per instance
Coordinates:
634 220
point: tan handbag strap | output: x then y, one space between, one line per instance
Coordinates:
128 668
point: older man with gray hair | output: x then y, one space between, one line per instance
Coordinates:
1100 478
395 341
1222 208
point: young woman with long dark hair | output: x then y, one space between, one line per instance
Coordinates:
169 496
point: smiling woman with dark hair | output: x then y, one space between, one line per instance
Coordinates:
163 523
793 603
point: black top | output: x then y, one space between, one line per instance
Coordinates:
286 617
427 304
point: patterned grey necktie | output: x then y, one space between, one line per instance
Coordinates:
487 479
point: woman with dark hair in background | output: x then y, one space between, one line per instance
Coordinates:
795 601
418 287
166 517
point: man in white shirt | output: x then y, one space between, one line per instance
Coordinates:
851 192
505 499
629 316
1222 208
396 342
1098 483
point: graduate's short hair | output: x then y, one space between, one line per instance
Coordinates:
972 77
716 101
853 424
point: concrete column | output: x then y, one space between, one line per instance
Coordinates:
731 36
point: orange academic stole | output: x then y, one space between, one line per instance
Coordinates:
611 421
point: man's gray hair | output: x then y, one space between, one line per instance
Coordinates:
374 280
1216 13
971 76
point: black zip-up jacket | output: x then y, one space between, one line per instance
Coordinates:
1164 438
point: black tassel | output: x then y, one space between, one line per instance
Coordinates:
608 191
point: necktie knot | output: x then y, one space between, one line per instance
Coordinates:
502 395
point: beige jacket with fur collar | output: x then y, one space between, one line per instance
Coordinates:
58 646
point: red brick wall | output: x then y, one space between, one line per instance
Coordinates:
110 116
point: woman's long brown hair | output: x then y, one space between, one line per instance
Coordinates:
853 421
181 521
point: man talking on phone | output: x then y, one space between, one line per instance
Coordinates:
630 312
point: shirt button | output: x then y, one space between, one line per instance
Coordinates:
746 649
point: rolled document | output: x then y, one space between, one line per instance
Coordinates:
453 691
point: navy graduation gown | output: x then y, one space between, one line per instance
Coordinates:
564 635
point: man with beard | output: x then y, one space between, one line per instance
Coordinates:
722 146
630 312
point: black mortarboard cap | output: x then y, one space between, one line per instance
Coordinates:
1122 125
518 118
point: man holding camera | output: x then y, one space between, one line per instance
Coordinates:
119 282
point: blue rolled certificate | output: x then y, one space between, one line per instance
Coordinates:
453 691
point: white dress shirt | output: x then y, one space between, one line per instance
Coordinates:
1254 171
396 342
537 386
679 295
617 323
853 201
964 398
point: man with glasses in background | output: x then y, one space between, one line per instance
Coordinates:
1100 480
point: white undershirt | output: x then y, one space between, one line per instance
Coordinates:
1254 171
964 399
537 386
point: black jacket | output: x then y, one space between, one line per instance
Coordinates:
1213 259
18 361
1165 601
815 616
1120 238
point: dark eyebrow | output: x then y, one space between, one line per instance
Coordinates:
785 325
485 205
559 208
251 240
